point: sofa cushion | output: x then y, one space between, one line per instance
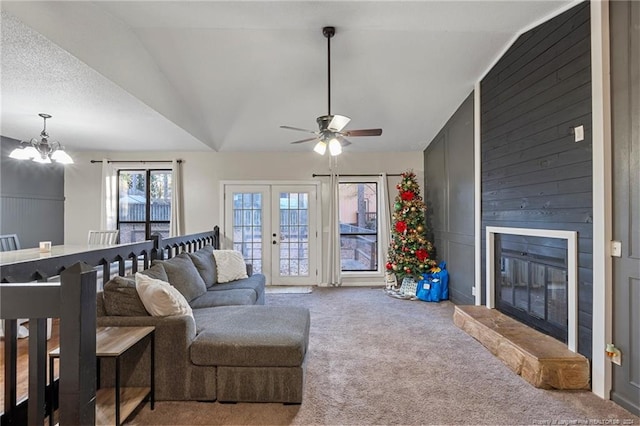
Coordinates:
183 275
253 336
157 272
160 298
230 265
205 264
254 282
121 298
239 296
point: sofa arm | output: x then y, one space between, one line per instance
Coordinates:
249 269
173 337
183 324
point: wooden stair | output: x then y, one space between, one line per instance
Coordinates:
540 359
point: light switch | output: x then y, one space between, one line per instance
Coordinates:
616 248
579 133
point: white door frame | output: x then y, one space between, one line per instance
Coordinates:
224 241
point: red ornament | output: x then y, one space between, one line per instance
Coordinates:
389 265
401 226
407 195
422 255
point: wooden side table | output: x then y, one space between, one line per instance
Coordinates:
113 405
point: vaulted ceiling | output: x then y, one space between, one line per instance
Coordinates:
224 75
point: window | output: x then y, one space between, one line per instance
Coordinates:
137 217
247 227
358 226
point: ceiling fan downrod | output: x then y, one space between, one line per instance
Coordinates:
329 32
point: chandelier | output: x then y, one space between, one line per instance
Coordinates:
41 150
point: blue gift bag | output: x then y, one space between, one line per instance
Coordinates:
444 281
434 286
424 288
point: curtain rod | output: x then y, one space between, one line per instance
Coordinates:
363 175
135 161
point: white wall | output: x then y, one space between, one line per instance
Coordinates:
203 171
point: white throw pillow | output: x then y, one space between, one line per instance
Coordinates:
160 298
230 265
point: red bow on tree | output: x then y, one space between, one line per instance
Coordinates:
407 195
401 226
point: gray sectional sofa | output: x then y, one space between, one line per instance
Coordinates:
232 349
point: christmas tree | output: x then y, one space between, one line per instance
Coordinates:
410 253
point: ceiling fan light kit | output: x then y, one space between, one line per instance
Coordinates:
320 148
41 150
335 148
330 127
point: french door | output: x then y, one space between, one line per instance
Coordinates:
274 227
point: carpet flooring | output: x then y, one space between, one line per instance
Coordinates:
374 359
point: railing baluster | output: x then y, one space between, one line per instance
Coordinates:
10 365
78 345
37 370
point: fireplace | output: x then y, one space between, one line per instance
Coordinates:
532 287
535 285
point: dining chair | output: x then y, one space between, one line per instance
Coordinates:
9 242
103 237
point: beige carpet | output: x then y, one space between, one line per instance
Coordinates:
374 359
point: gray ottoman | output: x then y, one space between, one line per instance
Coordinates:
259 352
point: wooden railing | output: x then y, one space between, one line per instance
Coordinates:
44 268
170 247
73 300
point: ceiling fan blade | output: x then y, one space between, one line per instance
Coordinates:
338 122
297 128
305 140
363 132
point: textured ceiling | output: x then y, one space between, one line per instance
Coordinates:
224 75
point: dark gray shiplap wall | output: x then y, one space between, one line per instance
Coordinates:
533 173
449 186
31 198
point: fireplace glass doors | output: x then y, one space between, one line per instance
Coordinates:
533 289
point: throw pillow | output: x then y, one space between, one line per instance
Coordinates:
121 298
160 298
230 265
183 275
205 264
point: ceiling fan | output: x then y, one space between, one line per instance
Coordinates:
331 131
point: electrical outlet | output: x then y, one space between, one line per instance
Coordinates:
473 291
616 248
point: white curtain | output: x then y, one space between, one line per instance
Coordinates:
385 218
109 203
176 226
334 275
